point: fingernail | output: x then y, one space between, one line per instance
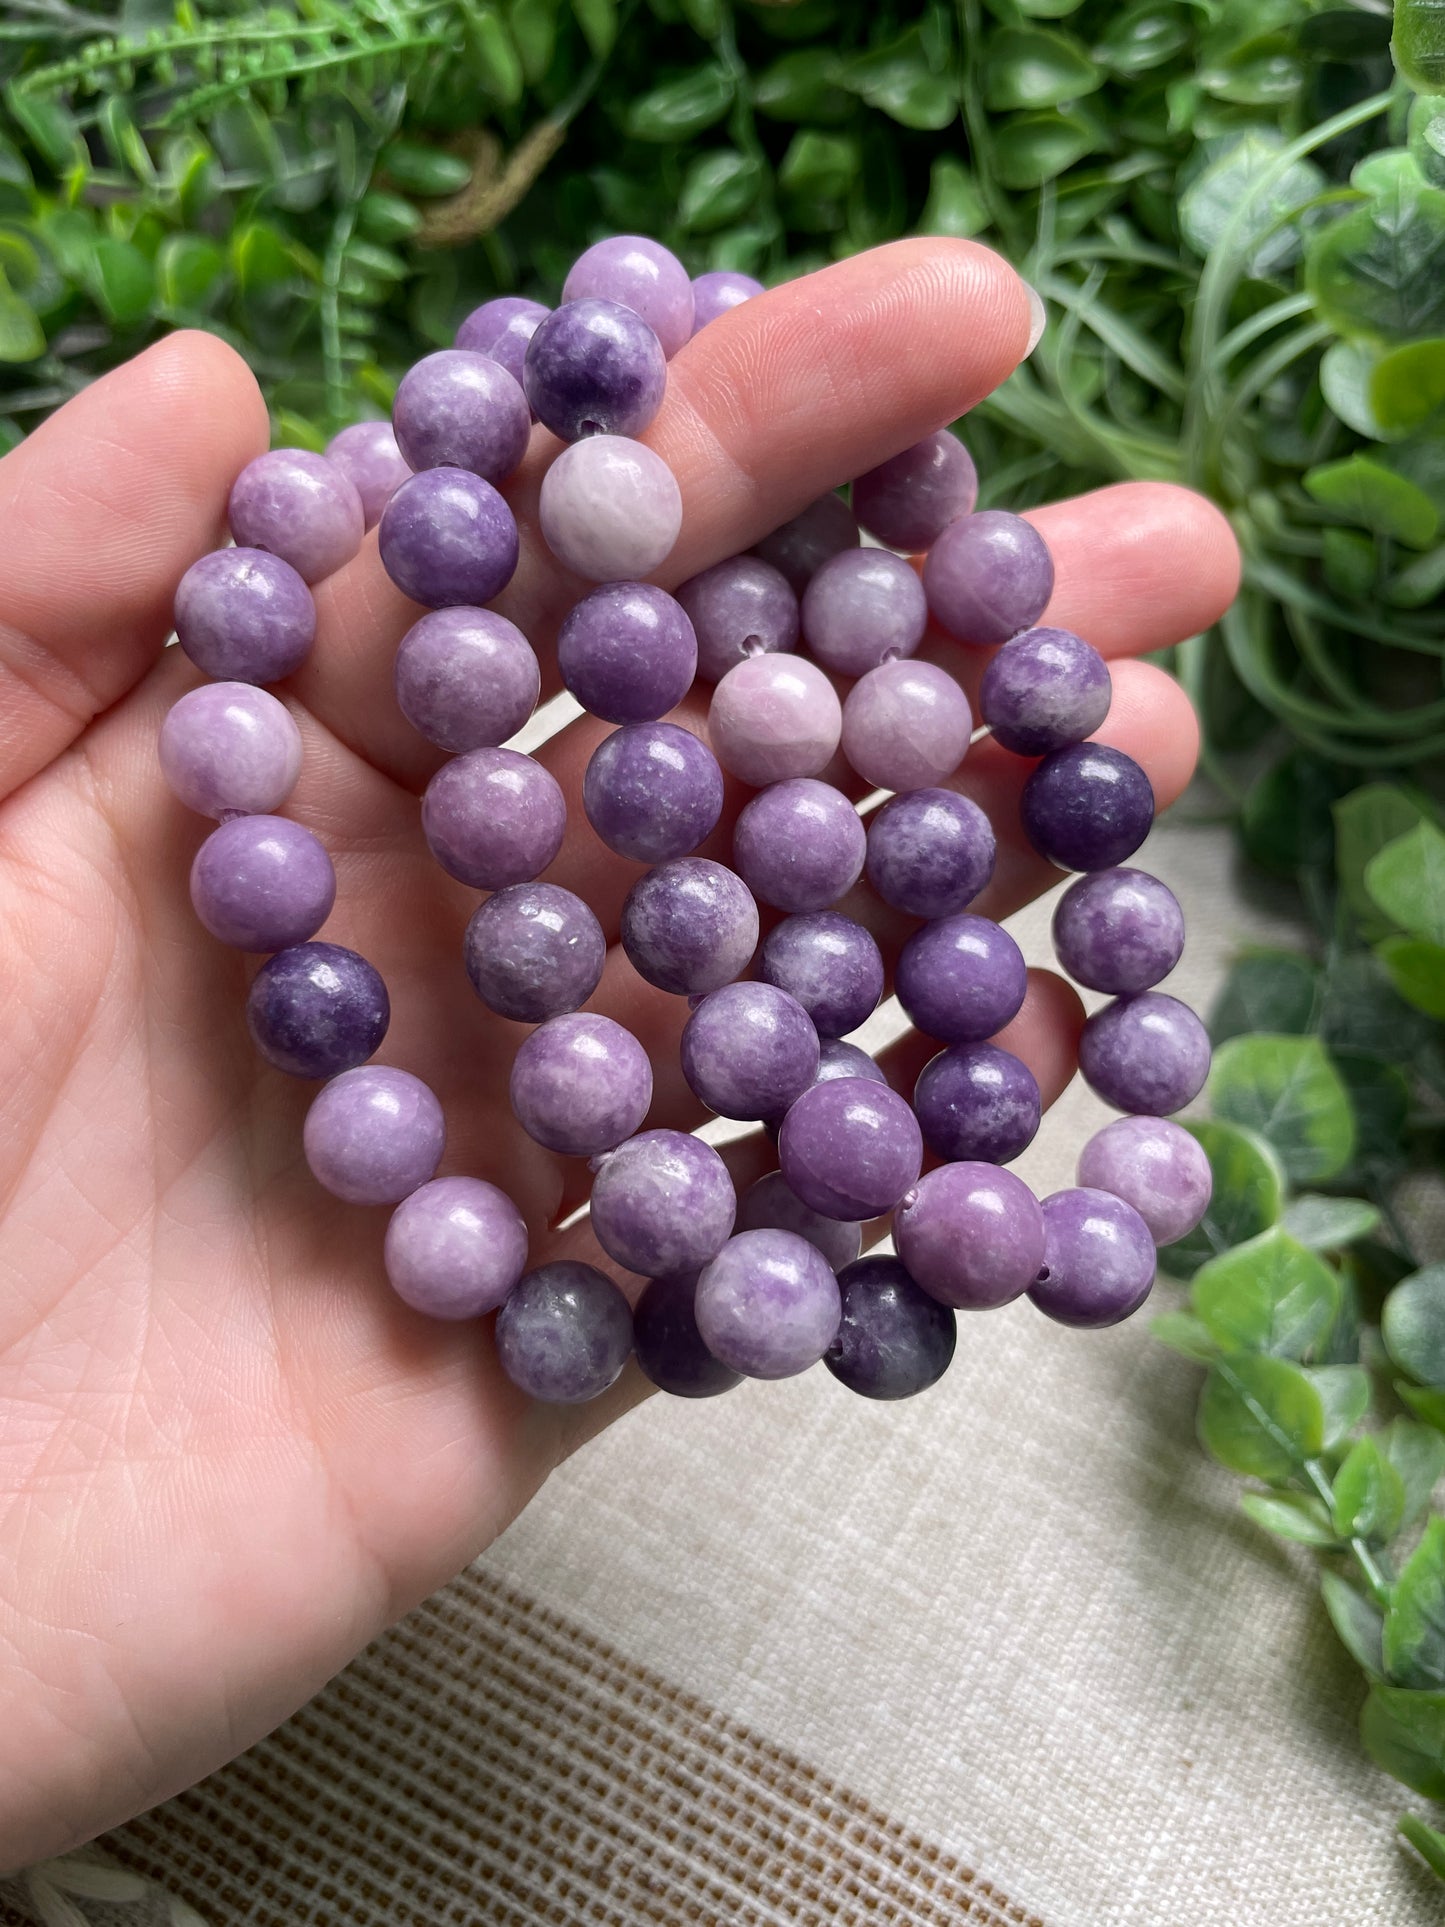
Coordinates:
1038 319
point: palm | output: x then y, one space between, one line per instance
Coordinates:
229 1455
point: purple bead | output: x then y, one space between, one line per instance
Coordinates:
502 328
662 1202
1045 689
317 1010
299 506
961 979
493 817
1118 930
229 746
627 652
447 537
669 1346
652 791
773 1205
534 951
977 1103
850 1148
908 501
861 608
244 616
1154 1165
800 548
455 1248
581 1084
906 725
564 1334
594 368
689 926
740 608
987 577
1098 1263
262 883
1148 1053
610 509
642 275
930 852
374 1135
1087 807
460 410
830 964
466 678
713 294
768 1304
895 1341
971 1235
367 455
773 717
748 1050
837 1059
799 845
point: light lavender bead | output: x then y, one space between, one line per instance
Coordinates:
564 1334
1044 689
930 852
768 1304
610 509
1098 1263
627 652
908 501
534 951
987 577
374 1135
493 817
830 964
689 926
652 791
367 454
1118 930
466 678
644 276
299 506
580 1085
851 1148
1147 1053
961 979
740 608
906 725
244 616
799 845
861 608
749 1050
262 883
447 538
459 410
485 326
594 368
1153 1165
800 547
773 1205
773 717
972 1235
455 1248
663 1202
229 746
713 294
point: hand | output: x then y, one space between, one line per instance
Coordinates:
229 1455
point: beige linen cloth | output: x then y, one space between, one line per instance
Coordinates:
1008 1655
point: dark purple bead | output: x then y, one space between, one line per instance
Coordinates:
627 652
262 883
908 501
977 1102
689 926
838 1059
534 951
988 577
595 368
850 1148
799 845
580 1084
739 608
1147 1053
749 1050
493 817
669 1346
564 1333
466 678
447 537
768 1304
652 791
662 1202
1045 689
971 1235
316 1010
454 409
894 1341
1098 1259
1087 807
242 615
800 547
830 964
930 852
713 294
773 1205
961 979
1118 930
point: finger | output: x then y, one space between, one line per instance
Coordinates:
103 509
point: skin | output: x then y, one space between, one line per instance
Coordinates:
228 1455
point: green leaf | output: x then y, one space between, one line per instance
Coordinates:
705 17
1361 1013
1365 821
818 166
1427 137
1286 814
1419 582
1351 563
1291 1515
1030 67
1344 1394
1418 44
1404 1732
683 107
1369 1494
1417 970
716 189
1358 1621
1141 39
1347 369
1273 990
899 81
1376 498
1413 1325
1247 1198
21 336
1261 1417
189 271
1415 1623
955 204
1185 1335
1407 881
1264 239
1427 1405
534 28
1417 1453
1429 1844
495 58
1033 148
803 86
598 21
1377 270
122 280
1329 1224
48 125
1286 1089
1407 388
1270 1295
419 169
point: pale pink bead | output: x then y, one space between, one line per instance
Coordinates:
773 717
610 509
906 725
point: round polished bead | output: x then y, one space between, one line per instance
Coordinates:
262 883
894 1340
503 328
740 608
534 951
1045 689
662 1202
906 725
689 926
988 577
466 678
580 1085
1118 930
367 454
244 616
1156 1166
669 1346
850 1148
713 294
455 1248
799 845
978 1103
908 501
299 506
773 1205
837 1059
1087 807
961 979
447 537
773 717
748 1050
652 791
1148 1053
930 852
454 409
316 1010
642 275
768 1304
1098 1263
800 548
493 817
610 509
564 1333
861 608
230 746
971 1235
373 1135
594 368
830 964
627 652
